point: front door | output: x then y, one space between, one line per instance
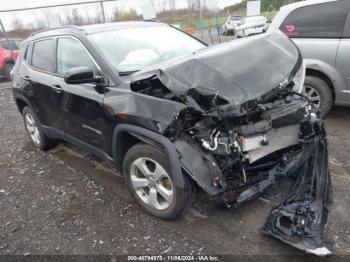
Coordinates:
82 105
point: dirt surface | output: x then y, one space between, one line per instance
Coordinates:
66 202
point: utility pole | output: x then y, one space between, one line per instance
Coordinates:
2 28
201 19
103 12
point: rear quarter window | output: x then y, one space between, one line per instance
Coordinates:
28 53
317 21
44 55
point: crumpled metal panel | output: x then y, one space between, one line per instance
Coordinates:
236 72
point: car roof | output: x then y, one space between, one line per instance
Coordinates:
287 9
254 17
90 29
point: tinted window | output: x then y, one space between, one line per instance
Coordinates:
70 54
44 55
317 21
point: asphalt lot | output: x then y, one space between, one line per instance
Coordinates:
67 202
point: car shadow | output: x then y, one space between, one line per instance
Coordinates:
339 111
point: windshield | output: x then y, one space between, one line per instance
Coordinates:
133 49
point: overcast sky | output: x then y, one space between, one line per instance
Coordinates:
91 9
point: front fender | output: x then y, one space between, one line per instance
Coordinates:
140 133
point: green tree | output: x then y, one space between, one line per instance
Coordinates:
266 5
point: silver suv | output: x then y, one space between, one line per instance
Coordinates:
321 30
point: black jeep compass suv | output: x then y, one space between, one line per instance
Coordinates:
174 114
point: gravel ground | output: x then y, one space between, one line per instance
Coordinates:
66 202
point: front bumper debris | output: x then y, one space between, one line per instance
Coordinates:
301 217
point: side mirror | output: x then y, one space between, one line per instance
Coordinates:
79 75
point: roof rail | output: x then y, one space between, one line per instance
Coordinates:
55 28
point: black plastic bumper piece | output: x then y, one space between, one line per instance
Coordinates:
301 217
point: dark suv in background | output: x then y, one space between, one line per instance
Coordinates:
321 30
174 115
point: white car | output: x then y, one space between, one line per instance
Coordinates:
251 25
231 23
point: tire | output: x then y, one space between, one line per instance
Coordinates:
322 90
149 159
34 130
7 71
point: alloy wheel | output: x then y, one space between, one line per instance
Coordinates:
313 95
152 183
32 128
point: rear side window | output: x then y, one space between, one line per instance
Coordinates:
317 21
28 54
44 55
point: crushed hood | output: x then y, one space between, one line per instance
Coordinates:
235 72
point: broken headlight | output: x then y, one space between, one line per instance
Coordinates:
299 79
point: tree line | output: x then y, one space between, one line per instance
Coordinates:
266 5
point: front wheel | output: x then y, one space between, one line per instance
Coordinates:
319 92
151 182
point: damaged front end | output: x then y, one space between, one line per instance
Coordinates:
239 136
244 161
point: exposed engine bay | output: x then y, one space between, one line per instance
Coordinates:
238 143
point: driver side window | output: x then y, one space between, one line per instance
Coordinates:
71 54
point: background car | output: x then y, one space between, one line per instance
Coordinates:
231 23
251 26
321 30
9 51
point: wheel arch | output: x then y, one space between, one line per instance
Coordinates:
125 136
323 76
10 61
21 104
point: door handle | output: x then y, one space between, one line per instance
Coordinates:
57 88
26 78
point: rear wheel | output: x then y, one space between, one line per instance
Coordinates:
34 130
319 92
151 183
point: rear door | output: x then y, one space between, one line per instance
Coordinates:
343 60
39 74
82 105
